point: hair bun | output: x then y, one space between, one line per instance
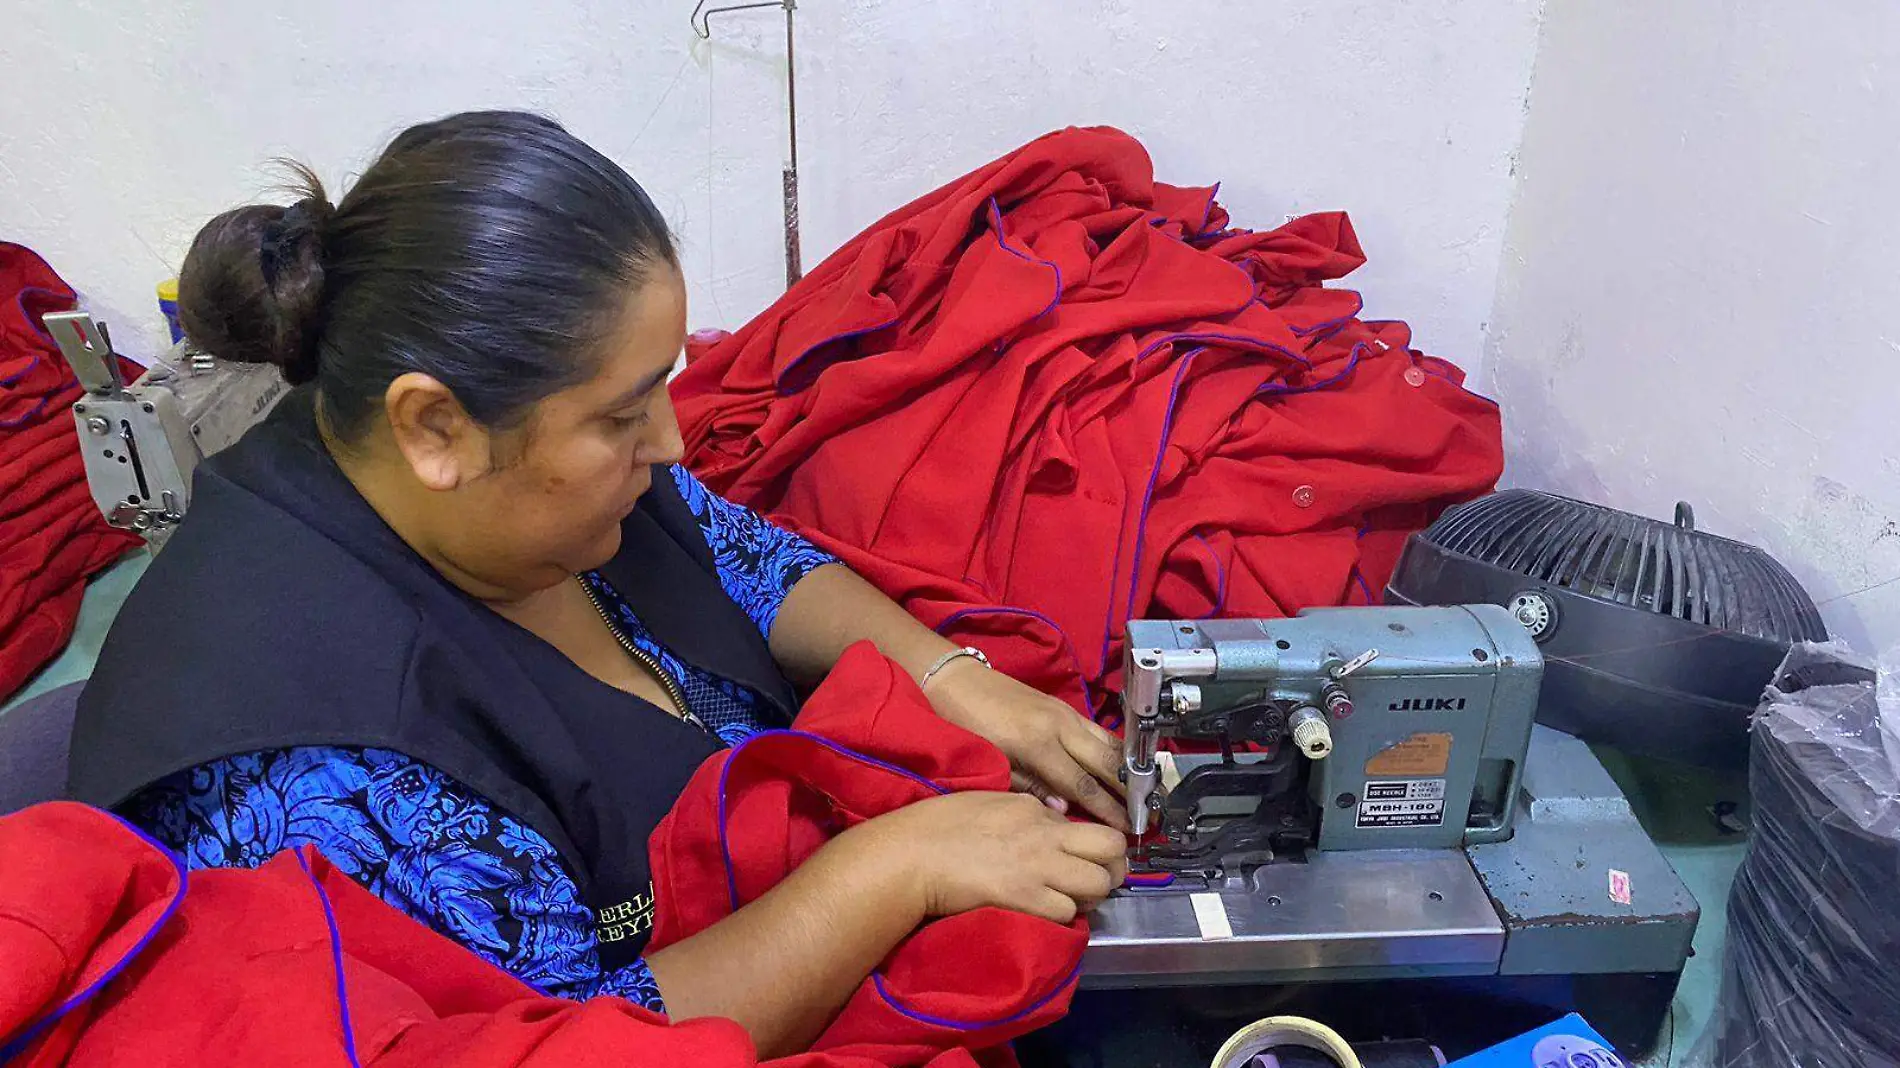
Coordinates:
251 289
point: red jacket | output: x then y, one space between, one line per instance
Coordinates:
109 961
51 533
106 959
1056 394
867 743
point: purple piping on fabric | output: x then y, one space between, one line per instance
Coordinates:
12 422
725 772
996 224
31 365
1364 586
1278 390
1357 575
1147 495
38 326
1088 692
1231 339
778 383
35 325
40 1027
1202 240
877 981
1207 213
1155 881
336 958
1198 240
1220 576
1440 374
1332 324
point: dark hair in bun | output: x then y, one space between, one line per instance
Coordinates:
252 285
490 250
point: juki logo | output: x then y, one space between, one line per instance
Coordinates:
1428 704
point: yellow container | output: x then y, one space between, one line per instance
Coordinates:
168 307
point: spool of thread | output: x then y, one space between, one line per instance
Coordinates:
1262 1036
168 307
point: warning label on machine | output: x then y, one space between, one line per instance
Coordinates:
1406 803
1424 753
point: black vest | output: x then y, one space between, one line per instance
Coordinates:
284 612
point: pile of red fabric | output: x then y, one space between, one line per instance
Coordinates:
1056 394
867 743
108 959
52 536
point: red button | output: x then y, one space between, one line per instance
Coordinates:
1303 497
1414 377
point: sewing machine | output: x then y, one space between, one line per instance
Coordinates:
1372 800
142 442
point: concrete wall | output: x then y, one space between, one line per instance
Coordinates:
1700 296
127 124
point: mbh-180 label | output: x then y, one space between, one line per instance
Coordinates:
1404 803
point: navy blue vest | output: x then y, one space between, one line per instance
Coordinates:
284 612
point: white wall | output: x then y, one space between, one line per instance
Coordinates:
127 124
1701 293
1698 297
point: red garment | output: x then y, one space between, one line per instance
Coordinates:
1056 394
866 743
95 921
52 536
106 960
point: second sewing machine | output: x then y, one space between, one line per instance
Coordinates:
1373 800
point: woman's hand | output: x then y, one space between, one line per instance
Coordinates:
1056 754
784 964
977 850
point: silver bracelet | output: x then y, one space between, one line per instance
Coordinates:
949 658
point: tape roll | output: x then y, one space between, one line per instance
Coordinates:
1263 1035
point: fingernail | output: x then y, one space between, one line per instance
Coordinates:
1058 804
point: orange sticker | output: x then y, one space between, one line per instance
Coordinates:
1421 754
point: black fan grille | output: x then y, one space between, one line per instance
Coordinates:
1627 559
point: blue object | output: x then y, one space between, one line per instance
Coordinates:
1568 1043
435 849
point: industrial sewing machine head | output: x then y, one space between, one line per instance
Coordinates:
142 442
1373 803
1351 728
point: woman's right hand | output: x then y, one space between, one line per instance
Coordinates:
783 964
975 850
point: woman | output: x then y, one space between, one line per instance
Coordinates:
454 615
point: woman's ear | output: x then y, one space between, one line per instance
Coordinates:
442 444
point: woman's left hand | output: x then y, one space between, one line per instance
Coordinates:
1054 753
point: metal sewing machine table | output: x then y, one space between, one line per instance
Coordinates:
1385 841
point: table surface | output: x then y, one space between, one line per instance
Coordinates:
1671 801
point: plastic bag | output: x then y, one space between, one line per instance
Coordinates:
1812 975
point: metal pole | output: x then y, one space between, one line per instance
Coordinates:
702 25
794 270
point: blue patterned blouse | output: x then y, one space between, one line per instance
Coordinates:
435 849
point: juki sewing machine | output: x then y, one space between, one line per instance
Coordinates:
1373 801
141 443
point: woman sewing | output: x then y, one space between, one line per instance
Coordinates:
455 616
